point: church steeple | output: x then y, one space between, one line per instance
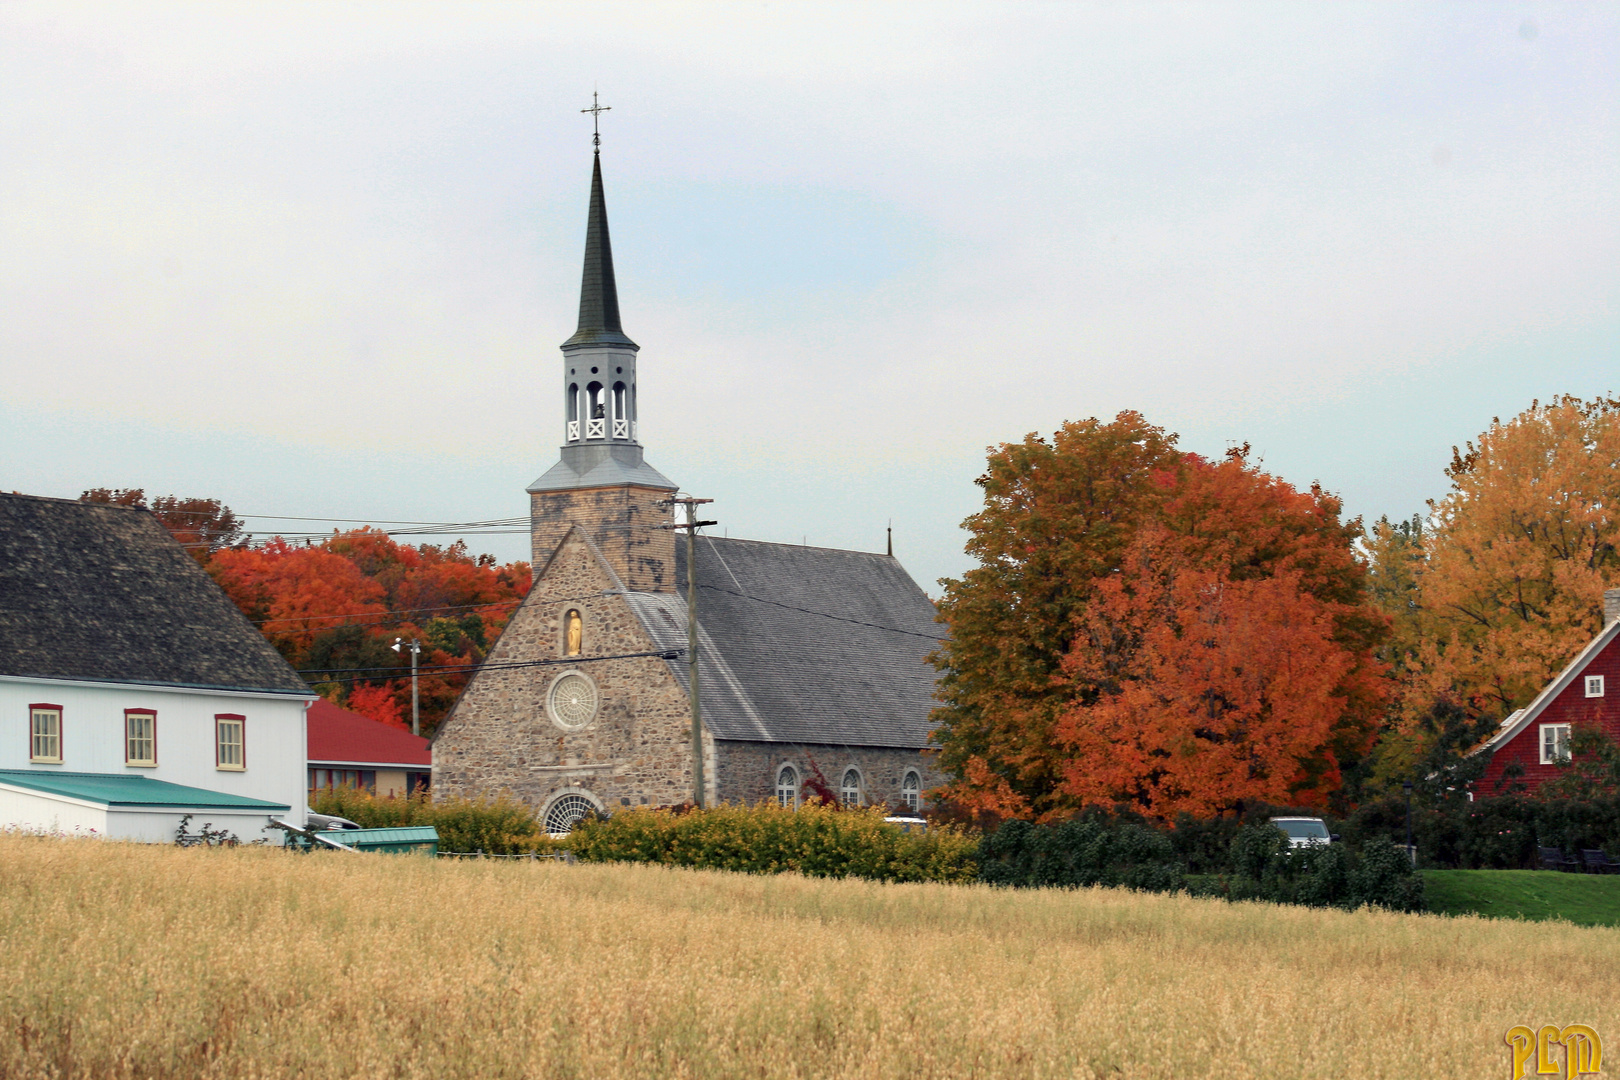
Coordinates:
601 483
599 361
598 291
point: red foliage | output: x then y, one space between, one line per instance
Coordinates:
339 606
1175 634
378 702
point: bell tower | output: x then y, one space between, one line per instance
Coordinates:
601 482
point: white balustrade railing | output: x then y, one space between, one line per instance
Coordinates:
573 431
621 429
595 429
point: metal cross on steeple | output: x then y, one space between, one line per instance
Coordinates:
596 110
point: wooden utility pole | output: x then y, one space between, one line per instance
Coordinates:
691 525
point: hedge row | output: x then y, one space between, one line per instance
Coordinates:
816 840
498 826
1499 833
1258 863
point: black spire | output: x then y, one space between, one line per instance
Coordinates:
598 293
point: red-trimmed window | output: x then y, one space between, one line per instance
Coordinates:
45 733
140 737
230 741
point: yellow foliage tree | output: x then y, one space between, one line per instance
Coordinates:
1518 554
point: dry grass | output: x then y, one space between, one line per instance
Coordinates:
159 962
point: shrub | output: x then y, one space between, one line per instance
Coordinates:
816 840
1264 866
1500 832
1258 862
1091 850
490 826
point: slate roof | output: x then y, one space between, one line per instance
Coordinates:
598 291
600 465
103 593
115 789
802 644
339 735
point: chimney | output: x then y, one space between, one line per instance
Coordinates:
1611 605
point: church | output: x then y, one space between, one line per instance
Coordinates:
812 669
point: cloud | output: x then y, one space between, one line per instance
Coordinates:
857 243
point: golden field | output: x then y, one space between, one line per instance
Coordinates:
124 960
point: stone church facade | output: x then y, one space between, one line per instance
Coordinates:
811 661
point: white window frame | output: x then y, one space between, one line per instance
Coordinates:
844 789
36 736
150 737
911 789
1559 734
224 750
1594 686
787 795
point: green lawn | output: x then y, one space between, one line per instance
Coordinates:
1583 899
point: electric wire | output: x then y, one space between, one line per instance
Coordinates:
504 665
823 614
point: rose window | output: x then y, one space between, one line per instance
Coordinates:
573 701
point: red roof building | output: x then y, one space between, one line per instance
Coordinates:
347 748
1537 736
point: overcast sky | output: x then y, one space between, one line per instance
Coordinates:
317 259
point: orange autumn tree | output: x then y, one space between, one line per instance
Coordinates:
334 610
1216 646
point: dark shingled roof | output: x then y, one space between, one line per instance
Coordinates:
103 593
598 292
803 644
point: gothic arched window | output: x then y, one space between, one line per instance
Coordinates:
849 791
911 790
787 787
573 632
620 404
596 408
573 401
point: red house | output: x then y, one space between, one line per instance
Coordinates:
347 748
1585 692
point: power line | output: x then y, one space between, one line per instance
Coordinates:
823 614
339 520
393 611
450 669
442 607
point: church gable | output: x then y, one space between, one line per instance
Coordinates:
547 714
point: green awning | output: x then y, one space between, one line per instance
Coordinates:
118 791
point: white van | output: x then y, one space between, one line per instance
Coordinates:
1304 831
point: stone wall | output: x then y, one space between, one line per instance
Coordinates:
621 521
500 736
748 769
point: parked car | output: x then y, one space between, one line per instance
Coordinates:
327 822
908 824
1304 831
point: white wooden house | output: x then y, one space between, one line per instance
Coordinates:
132 691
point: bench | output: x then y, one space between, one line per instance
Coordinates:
1553 859
1598 862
